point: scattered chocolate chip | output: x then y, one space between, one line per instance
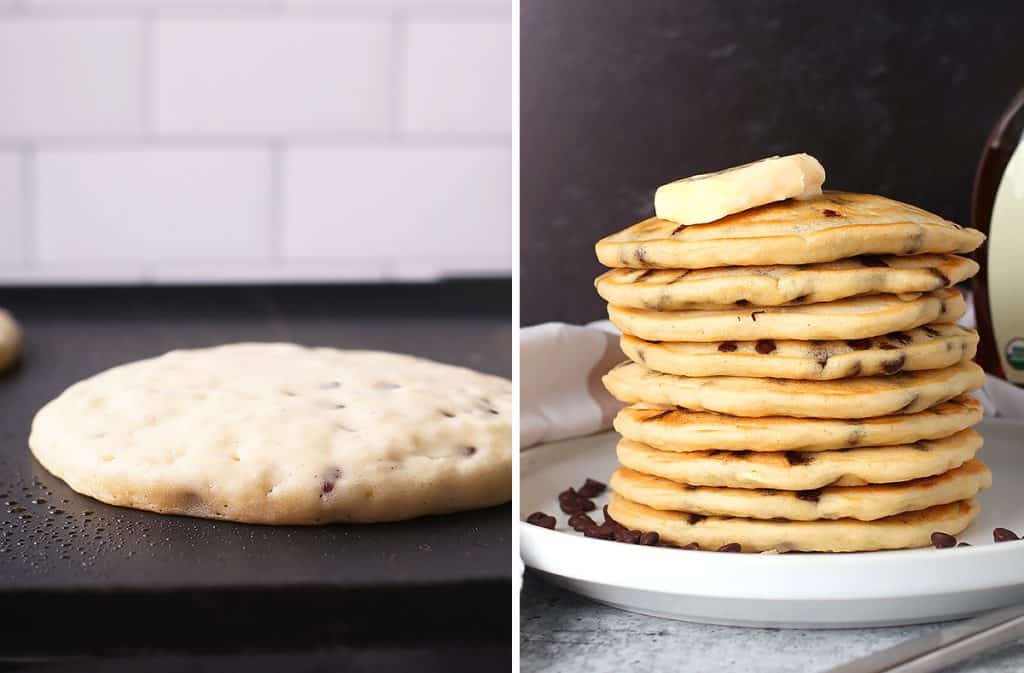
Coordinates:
899 337
753 316
872 260
742 302
579 504
1004 535
727 347
603 532
731 548
627 536
798 458
592 488
964 544
579 522
695 518
943 540
693 546
859 344
649 539
765 346
541 519
887 347
930 332
828 212
811 496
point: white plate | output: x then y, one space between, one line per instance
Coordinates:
779 590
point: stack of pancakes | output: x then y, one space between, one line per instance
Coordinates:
796 380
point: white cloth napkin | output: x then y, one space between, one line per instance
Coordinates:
560 372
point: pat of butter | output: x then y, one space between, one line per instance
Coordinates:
712 196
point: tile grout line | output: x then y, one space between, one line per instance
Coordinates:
276 204
29 233
396 70
147 76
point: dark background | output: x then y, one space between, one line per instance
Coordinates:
620 96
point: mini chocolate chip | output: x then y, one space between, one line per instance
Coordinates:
742 302
592 488
649 539
894 366
327 487
765 346
580 522
872 260
930 332
899 337
695 518
541 519
887 347
1004 535
627 536
727 347
943 540
731 548
469 450
828 212
798 458
859 344
693 546
941 276
580 504
603 532
811 496
753 316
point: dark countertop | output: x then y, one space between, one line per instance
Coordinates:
127 583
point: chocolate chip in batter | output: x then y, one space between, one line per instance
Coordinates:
872 260
810 496
899 337
894 366
330 479
541 519
887 347
798 458
753 316
468 450
930 332
727 347
695 518
828 212
742 302
693 546
731 548
765 346
859 344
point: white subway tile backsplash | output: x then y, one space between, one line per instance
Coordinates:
11 211
401 203
460 76
63 77
147 205
273 76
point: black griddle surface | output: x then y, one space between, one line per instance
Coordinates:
61 549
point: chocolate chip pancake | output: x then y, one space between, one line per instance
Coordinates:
865 503
852 318
835 225
933 346
686 289
910 529
679 429
800 470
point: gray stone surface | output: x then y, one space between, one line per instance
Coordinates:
560 631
